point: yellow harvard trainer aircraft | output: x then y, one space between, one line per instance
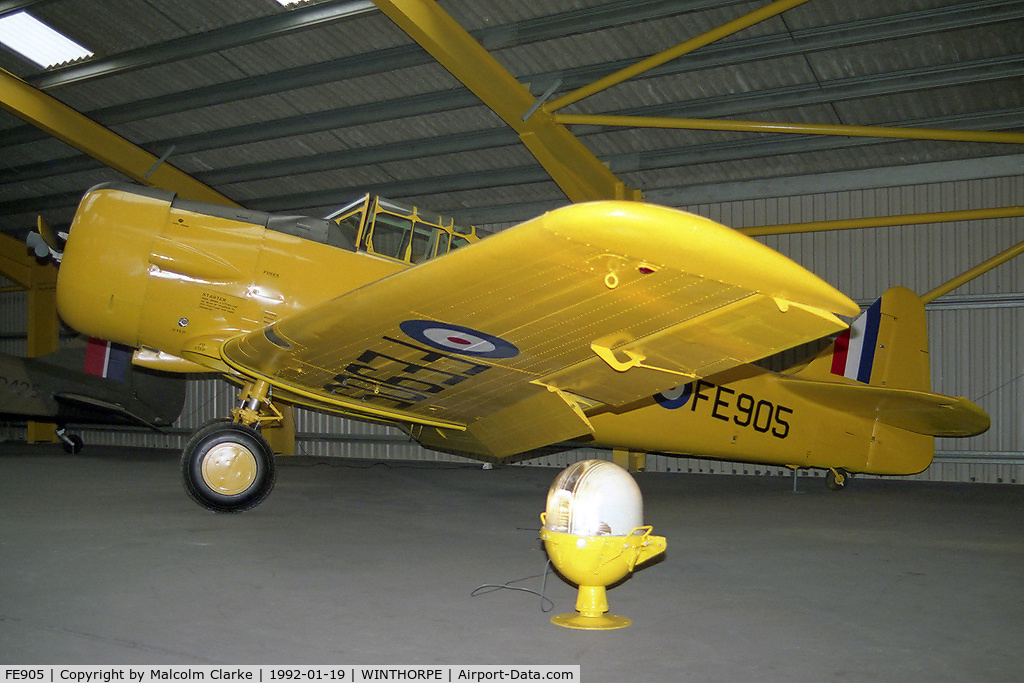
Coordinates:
614 324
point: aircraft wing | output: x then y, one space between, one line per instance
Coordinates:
512 339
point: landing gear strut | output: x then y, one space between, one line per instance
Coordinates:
227 465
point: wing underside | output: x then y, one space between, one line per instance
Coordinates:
513 339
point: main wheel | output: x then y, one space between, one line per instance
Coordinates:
835 479
228 467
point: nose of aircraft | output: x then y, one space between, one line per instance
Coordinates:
101 282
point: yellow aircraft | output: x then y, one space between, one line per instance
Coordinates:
612 324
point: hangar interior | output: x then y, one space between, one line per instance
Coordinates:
899 123
299 108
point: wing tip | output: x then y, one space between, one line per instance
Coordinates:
652 232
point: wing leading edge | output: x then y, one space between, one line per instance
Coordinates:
511 340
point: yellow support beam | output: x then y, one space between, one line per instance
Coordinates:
793 128
40 280
43 326
912 219
581 175
683 48
631 461
79 131
886 221
974 272
42 330
15 262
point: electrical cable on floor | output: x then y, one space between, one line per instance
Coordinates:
546 604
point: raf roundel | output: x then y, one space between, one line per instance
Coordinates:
675 398
458 339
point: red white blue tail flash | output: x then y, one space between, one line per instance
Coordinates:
106 359
854 352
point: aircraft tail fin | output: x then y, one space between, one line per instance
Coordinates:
879 369
887 346
98 376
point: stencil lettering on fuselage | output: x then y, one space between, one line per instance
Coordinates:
18 387
728 405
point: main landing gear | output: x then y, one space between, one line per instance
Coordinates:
227 464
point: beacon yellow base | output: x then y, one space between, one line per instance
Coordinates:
594 562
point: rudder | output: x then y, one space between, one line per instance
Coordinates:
887 346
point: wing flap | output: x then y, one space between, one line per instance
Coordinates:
544 418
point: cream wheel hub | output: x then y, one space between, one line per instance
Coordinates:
229 468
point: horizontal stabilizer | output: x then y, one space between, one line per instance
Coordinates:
921 412
93 402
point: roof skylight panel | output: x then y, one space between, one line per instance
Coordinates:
38 42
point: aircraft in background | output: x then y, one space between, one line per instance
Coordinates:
610 324
88 382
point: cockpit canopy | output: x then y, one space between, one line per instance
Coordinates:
404 233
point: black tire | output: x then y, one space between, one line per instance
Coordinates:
72 443
836 479
228 467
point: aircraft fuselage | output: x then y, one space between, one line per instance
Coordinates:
186 277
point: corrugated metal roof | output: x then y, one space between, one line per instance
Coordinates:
291 118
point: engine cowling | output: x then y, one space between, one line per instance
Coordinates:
145 269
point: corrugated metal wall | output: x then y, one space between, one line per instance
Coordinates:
974 331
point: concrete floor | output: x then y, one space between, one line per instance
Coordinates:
106 560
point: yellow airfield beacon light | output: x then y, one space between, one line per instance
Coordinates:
593 532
